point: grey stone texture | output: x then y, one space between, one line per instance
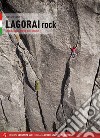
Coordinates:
66 83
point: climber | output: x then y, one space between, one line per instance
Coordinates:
37 85
73 51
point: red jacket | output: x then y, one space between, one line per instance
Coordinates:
73 49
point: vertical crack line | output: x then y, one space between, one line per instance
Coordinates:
24 69
27 123
3 111
26 119
93 90
41 113
25 41
66 76
96 77
54 127
28 83
78 23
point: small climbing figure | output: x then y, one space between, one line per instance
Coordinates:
73 51
37 85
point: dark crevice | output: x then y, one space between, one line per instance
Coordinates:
25 41
28 83
96 77
54 127
7 8
41 113
51 0
48 0
3 111
24 68
73 13
66 76
93 89
57 112
76 15
67 70
27 123
97 85
26 118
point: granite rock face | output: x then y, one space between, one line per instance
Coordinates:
66 82
12 110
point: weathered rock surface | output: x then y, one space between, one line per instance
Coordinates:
66 83
12 110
